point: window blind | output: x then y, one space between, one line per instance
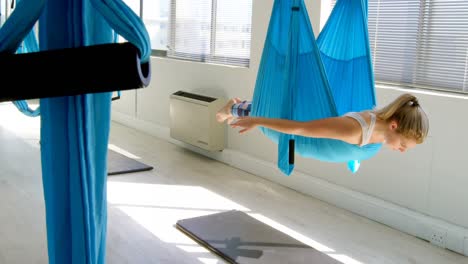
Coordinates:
420 43
214 31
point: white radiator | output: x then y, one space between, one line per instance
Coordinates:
193 120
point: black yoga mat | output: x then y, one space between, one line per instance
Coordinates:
72 71
241 239
120 164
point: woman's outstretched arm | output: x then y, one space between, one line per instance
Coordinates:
341 128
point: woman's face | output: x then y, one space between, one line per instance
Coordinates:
396 141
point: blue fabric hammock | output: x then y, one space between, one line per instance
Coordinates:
75 129
29 45
301 79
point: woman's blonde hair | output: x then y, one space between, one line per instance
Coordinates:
411 119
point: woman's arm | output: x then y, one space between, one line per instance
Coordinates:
341 128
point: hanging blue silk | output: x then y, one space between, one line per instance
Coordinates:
345 53
295 82
24 108
29 45
348 65
19 24
75 130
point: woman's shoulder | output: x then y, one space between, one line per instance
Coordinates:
364 118
365 114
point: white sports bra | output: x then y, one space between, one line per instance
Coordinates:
366 129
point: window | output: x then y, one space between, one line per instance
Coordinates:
156 19
420 43
216 31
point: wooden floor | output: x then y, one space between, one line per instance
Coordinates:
144 207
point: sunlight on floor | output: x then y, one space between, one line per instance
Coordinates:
208 261
291 233
122 151
158 207
172 197
193 249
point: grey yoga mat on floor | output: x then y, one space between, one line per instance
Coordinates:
239 238
120 164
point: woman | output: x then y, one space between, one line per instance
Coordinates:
400 125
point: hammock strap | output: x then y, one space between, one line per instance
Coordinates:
286 142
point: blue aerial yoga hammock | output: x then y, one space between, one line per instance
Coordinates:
29 45
75 129
301 80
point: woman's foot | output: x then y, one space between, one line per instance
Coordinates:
225 112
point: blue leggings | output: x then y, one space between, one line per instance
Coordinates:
241 109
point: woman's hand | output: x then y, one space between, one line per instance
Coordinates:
245 123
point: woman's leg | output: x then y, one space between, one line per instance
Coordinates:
234 108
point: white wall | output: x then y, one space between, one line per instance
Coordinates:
430 180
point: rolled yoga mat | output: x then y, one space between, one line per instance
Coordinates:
241 239
72 71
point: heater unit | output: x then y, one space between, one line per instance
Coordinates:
193 120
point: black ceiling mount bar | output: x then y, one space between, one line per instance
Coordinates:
72 71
